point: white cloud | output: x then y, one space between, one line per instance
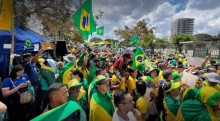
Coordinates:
159 14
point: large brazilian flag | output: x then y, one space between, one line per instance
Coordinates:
101 107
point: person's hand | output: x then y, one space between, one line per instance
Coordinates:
40 51
22 85
207 58
137 114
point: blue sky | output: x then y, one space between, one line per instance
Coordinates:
158 13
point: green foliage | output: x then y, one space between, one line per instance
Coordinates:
140 29
182 38
96 40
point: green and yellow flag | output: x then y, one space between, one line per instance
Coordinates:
81 59
134 40
101 107
65 75
70 111
100 30
6 14
138 59
84 20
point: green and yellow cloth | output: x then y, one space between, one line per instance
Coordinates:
63 112
101 107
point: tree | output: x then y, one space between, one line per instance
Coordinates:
161 43
181 38
49 18
141 29
96 40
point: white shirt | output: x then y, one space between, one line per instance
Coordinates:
116 117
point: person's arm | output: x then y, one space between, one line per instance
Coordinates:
137 115
205 61
3 107
120 66
6 92
85 60
36 57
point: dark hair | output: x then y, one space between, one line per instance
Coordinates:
75 71
119 96
14 70
99 70
166 74
141 87
55 87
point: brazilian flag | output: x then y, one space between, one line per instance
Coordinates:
70 111
138 59
101 107
65 75
84 20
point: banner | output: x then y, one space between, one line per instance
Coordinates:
6 14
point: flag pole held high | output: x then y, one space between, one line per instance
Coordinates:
84 20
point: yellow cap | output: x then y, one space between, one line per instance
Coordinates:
173 86
74 83
99 79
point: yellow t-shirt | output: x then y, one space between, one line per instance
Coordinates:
131 84
156 84
217 87
161 76
85 72
142 105
115 80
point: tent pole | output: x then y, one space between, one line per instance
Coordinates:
13 38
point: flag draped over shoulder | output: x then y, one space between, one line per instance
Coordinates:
66 72
101 107
100 30
92 74
138 59
6 14
134 40
84 20
70 110
81 59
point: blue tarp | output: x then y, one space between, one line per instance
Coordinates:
20 37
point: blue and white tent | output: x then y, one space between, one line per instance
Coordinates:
20 37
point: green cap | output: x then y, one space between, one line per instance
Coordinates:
176 76
146 78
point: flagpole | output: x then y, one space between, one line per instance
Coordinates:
13 37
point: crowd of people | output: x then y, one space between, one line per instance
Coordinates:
102 85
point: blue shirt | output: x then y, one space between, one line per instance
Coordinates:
7 84
32 72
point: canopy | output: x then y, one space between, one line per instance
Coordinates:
20 37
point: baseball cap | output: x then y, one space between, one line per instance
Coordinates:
173 86
213 77
74 83
69 58
176 76
99 79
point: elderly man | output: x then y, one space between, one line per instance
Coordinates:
101 106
